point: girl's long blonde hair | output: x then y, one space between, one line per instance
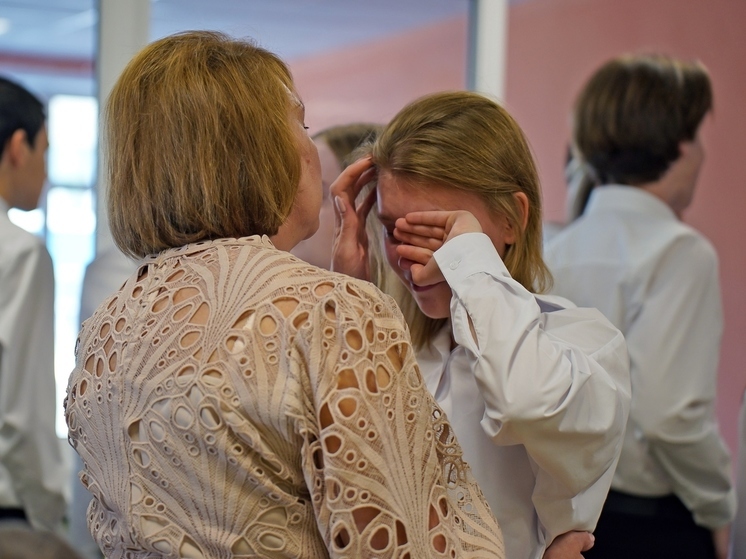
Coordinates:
464 141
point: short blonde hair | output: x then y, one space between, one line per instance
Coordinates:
198 143
466 141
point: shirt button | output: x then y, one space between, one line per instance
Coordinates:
454 264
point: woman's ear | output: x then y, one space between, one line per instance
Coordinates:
522 209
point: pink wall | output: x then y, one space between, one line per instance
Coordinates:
371 82
554 45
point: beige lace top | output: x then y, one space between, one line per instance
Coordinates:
233 401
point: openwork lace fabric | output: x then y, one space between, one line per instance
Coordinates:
233 401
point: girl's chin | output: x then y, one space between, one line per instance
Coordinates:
423 288
432 305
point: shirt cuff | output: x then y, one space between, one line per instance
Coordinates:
469 254
717 514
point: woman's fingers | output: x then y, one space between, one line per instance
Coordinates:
344 191
367 202
349 184
350 245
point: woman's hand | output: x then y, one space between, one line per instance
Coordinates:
569 545
350 246
422 233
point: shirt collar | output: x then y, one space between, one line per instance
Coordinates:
619 198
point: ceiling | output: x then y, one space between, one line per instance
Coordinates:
49 45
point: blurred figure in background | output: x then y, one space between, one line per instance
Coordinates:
32 476
738 532
579 182
637 126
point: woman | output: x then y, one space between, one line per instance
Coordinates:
537 391
335 144
231 400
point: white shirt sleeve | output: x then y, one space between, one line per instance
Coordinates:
29 447
556 383
675 339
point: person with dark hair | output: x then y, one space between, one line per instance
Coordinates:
232 400
636 126
31 474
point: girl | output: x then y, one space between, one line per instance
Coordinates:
536 390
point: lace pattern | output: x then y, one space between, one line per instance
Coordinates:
233 401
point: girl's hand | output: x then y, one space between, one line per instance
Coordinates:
350 245
422 233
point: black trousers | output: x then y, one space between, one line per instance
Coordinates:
633 527
12 514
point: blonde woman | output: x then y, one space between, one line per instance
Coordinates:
231 400
536 390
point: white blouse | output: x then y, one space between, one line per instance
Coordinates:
538 400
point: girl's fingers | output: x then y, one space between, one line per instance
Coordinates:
415 254
438 218
427 242
452 223
432 231
429 274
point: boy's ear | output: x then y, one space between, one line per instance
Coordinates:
17 148
522 205
685 148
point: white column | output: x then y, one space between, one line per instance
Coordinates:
123 29
488 44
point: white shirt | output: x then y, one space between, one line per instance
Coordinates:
550 387
656 279
32 476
